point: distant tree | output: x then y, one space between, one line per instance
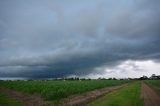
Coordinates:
99 78
88 79
143 78
109 78
82 79
76 78
103 78
155 77
114 79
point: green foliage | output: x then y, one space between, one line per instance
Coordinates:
7 101
56 90
155 83
128 96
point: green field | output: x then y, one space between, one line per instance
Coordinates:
154 84
128 96
56 90
7 101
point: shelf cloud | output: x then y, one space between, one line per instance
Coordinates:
43 39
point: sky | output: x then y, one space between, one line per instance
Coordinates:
82 38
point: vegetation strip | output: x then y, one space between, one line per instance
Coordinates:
150 97
154 84
79 99
127 96
57 90
85 98
8 101
25 99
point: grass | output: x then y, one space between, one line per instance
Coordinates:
7 101
154 84
128 96
56 90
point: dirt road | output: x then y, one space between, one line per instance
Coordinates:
151 98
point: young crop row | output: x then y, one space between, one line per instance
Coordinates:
56 90
7 101
128 96
155 83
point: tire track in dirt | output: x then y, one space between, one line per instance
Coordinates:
84 99
150 97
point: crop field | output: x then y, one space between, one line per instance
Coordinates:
56 90
128 96
79 92
7 101
155 83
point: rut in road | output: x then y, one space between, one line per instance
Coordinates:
150 97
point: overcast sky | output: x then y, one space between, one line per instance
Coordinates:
85 38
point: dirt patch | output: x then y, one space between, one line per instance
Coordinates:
26 99
85 98
150 97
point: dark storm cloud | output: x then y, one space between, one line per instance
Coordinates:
59 38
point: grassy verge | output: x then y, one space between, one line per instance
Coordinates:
155 84
7 101
128 96
56 90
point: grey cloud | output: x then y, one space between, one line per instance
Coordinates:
56 39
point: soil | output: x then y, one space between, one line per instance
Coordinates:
150 97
